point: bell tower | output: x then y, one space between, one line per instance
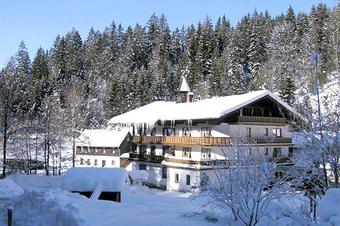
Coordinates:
184 93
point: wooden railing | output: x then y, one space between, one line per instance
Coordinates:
200 162
175 140
205 141
261 120
272 140
147 158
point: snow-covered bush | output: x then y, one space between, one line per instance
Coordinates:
247 188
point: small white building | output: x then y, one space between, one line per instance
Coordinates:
96 183
102 147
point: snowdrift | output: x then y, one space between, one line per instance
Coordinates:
9 189
329 208
35 208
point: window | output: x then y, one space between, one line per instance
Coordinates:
277 132
81 161
153 150
88 162
186 131
266 151
204 180
187 180
95 162
278 174
176 178
113 162
206 132
169 131
144 129
276 152
92 150
142 167
103 163
142 149
78 149
247 112
248 132
290 152
164 172
267 132
186 152
205 153
153 132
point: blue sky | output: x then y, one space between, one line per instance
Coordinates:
38 22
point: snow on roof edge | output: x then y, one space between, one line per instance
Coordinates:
154 107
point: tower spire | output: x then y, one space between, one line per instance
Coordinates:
184 93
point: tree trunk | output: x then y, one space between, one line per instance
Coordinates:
325 172
73 151
4 147
336 177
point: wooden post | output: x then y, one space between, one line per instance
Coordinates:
10 216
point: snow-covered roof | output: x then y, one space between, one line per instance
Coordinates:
184 85
141 175
102 137
211 108
88 179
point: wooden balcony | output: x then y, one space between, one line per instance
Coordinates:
189 141
271 140
260 120
146 158
200 162
206 141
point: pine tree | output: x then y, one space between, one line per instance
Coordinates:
40 80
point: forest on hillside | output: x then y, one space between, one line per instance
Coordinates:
81 83
116 70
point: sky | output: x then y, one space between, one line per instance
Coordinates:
38 22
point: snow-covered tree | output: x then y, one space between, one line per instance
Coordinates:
247 187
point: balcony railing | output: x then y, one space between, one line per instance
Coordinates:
261 120
272 140
201 162
175 140
205 141
147 158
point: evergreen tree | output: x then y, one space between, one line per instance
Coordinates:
40 80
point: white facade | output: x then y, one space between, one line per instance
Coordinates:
180 143
98 161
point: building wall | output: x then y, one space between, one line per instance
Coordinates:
89 161
155 173
181 185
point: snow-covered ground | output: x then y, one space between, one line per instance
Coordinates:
43 202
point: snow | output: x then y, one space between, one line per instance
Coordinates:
211 108
9 189
141 175
50 205
88 178
125 155
102 137
329 209
184 85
